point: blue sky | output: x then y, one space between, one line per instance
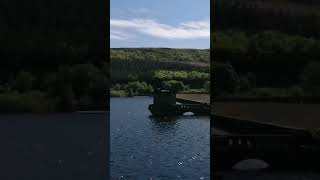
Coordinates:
160 23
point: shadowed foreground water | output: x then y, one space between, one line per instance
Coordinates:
54 146
143 147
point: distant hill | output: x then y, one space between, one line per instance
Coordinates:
138 70
288 16
162 54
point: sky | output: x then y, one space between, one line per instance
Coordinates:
160 23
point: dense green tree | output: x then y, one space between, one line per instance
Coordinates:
311 78
66 102
24 81
225 79
206 86
174 85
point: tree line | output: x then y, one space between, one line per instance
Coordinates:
69 88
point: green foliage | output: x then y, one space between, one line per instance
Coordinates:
66 100
118 93
23 81
139 71
263 42
206 86
174 85
226 79
296 91
245 84
231 41
82 76
194 79
78 87
131 93
33 102
181 75
269 92
264 49
311 78
85 102
140 64
195 91
131 89
61 57
161 54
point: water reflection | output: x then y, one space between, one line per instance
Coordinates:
157 119
164 125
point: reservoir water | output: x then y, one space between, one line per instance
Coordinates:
54 146
145 147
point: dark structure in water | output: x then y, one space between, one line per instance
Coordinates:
164 104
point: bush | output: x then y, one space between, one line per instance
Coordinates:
23 81
311 78
269 92
295 91
85 103
226 80
174 85
206 86
118 93
66 101
131 93
23 103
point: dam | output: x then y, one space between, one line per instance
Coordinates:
274 130
165 103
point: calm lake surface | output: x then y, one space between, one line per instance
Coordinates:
54 146
144 147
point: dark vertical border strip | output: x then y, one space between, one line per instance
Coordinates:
106 50
212 20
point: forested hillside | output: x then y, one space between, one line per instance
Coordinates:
266 47
139 71
53 56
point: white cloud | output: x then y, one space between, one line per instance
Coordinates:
118 35
185 30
